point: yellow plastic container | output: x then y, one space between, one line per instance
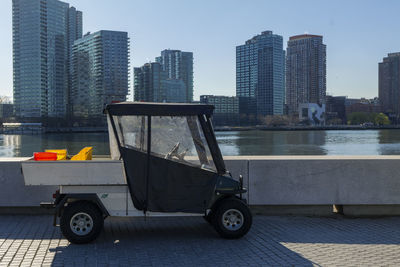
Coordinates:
84 154
61 153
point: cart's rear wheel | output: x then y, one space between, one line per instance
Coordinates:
232 218
81 222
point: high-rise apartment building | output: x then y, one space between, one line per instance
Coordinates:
100 72
151 84
43 32
178 65
147 82
305 71
389 84
174 91
75 32
260 75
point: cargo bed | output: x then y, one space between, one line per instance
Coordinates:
90 172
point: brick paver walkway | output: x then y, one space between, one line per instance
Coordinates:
190 241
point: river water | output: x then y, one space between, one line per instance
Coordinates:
363 142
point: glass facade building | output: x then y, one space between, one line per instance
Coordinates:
151 84
147 82
43 31
174 91
99 72
305 71
178 65
260 75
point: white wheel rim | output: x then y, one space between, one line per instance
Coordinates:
81 224
232 219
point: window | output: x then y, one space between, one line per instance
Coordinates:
132 131
180 139
177 138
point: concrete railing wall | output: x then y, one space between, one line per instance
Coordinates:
310 180
360 185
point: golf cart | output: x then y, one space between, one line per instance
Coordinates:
171 165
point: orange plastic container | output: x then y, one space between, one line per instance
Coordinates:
45 156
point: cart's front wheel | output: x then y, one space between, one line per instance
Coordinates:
232 218
81 222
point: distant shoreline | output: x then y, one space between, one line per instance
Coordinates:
305 128
244 128
217 129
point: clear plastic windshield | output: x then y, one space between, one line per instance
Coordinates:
177 138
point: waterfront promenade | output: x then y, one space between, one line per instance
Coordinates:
190 241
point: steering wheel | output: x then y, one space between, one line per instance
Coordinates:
174 153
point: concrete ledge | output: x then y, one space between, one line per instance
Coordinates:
320 180
304 210
25 211
307 210
370 210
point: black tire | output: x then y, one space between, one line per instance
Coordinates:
83 212
232 207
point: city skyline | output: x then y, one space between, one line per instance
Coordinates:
352 54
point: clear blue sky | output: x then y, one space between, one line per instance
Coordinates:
357 34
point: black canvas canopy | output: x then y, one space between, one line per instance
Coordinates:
159 109
147 135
